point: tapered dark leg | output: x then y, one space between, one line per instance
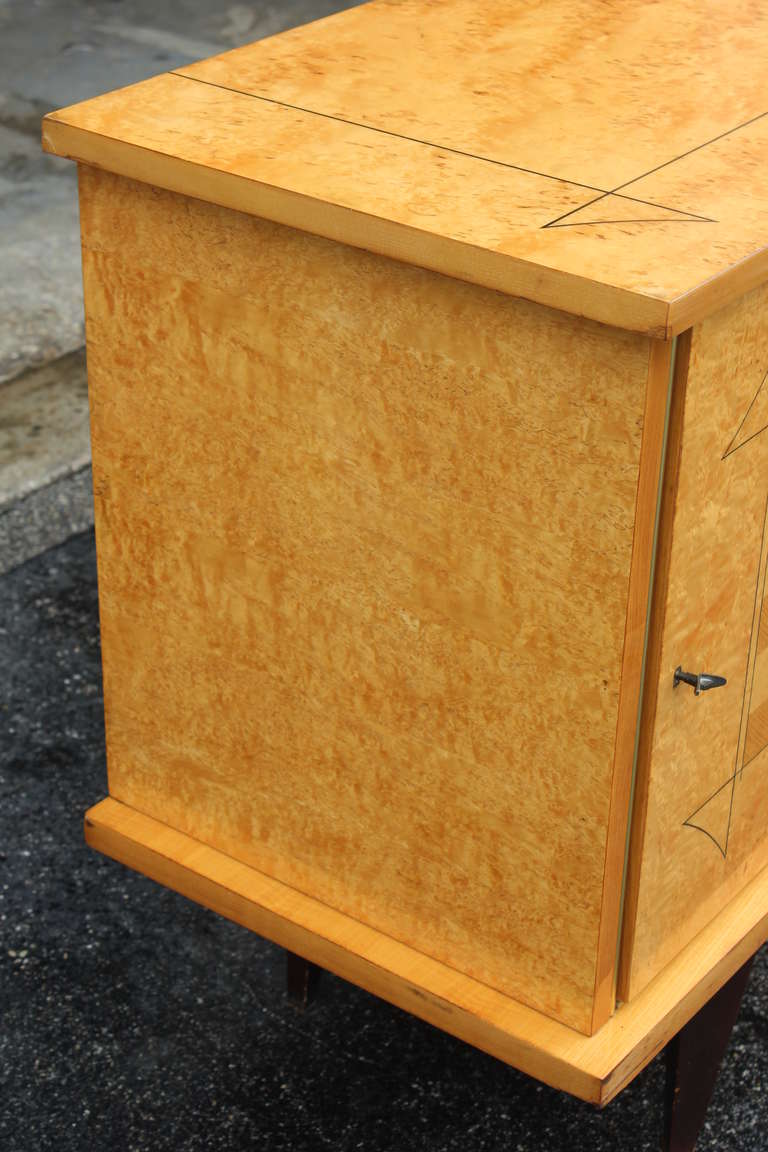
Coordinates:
693 1062
301 978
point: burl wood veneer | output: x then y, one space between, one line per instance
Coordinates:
427 350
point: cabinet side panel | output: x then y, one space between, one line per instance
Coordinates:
364 539
701 820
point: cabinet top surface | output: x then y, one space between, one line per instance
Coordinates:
604 158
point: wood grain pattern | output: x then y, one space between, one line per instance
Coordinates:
657 396
364 567
330 179
571 153
600 93
701 834
757 722
647 718
595 1068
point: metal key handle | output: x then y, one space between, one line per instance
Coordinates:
699 681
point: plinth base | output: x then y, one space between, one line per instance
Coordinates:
594 1068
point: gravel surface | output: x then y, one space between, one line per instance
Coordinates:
131 1019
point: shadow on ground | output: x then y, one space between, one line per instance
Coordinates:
131 1019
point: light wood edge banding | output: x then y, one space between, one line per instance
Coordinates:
593 1068
625 987
659 363
500 271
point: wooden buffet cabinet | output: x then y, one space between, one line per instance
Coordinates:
427 349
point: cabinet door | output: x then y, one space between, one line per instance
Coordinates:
701 808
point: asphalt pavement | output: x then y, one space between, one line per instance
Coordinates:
133 1020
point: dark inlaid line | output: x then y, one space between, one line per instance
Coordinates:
751 760
665 164
711 796
739 769
438 148
690 823
759 612
735 437
688 218
752 639
744 442
696 148
717 844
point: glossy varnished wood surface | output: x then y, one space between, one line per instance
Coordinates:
702 800
586 92
756 737
331 179
654 427
595 1068
601 158
364 558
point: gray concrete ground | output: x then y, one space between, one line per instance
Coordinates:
43 426
56 52
45 475
53 53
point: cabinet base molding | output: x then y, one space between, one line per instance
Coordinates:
594 1068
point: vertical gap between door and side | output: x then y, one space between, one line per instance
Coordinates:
648 621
